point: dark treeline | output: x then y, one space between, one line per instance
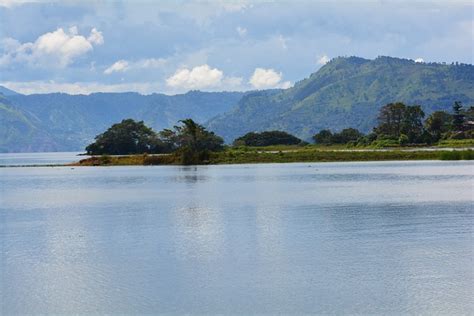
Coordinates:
190 143
267 138
400 124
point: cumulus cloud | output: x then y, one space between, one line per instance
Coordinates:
57 48
323 60
268 78
118 66
419 60
124 65
96 37
196 78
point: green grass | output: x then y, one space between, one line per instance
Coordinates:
456 143
304 154
311 155
457 155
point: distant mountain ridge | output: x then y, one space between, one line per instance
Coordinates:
7 92
348 92
69 122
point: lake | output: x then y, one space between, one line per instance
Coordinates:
326 238
28 159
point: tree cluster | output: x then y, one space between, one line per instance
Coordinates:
403 124
326 137
189 140
398 124
124 138
267 138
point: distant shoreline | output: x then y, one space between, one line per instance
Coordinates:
272 154
288 155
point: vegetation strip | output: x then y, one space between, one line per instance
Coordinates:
236 156
189 143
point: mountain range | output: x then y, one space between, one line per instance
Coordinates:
63 122
346 92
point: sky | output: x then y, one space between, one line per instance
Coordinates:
171 47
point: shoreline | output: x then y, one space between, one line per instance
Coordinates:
272 154
236 156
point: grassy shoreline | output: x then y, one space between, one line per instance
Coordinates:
281 155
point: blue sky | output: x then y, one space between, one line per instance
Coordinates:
175 46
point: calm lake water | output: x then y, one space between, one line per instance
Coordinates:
21 159
332 238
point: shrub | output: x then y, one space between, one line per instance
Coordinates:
468 155
104 159
403 140
450 155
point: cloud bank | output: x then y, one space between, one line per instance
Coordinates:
58 48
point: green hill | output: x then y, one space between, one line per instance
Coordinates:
348 92
21 131
63 122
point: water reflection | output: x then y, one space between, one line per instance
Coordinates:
297 238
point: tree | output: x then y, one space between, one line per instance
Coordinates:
347 135
412 124
458 117
390 120
397 118
324 137
438 123
267 138
196 137
126 137
193 142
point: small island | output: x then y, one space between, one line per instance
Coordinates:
401 134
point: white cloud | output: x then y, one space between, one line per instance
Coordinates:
118 66
242 31
58 48
150 63
285 85
323 60
419 60
96 37
123 65
11 3
81 87
268 78
196 78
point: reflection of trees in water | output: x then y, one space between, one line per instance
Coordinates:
191 174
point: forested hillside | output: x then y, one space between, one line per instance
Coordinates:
348 92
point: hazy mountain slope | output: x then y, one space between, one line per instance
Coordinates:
73 120
7 92
19 131
347 92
